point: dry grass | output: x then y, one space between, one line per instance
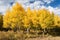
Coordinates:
10 35
45 38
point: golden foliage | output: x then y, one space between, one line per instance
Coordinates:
18 17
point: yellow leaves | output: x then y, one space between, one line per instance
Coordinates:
26 21
45 18
42 17
28 9
43 26
13 25
57 20
18 16
14 16
17 6
6 24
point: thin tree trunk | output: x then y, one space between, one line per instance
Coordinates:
28 31
36 31
43 32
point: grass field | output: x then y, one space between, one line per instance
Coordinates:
45 38
11 35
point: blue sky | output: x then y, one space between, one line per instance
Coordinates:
51 5
55 3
